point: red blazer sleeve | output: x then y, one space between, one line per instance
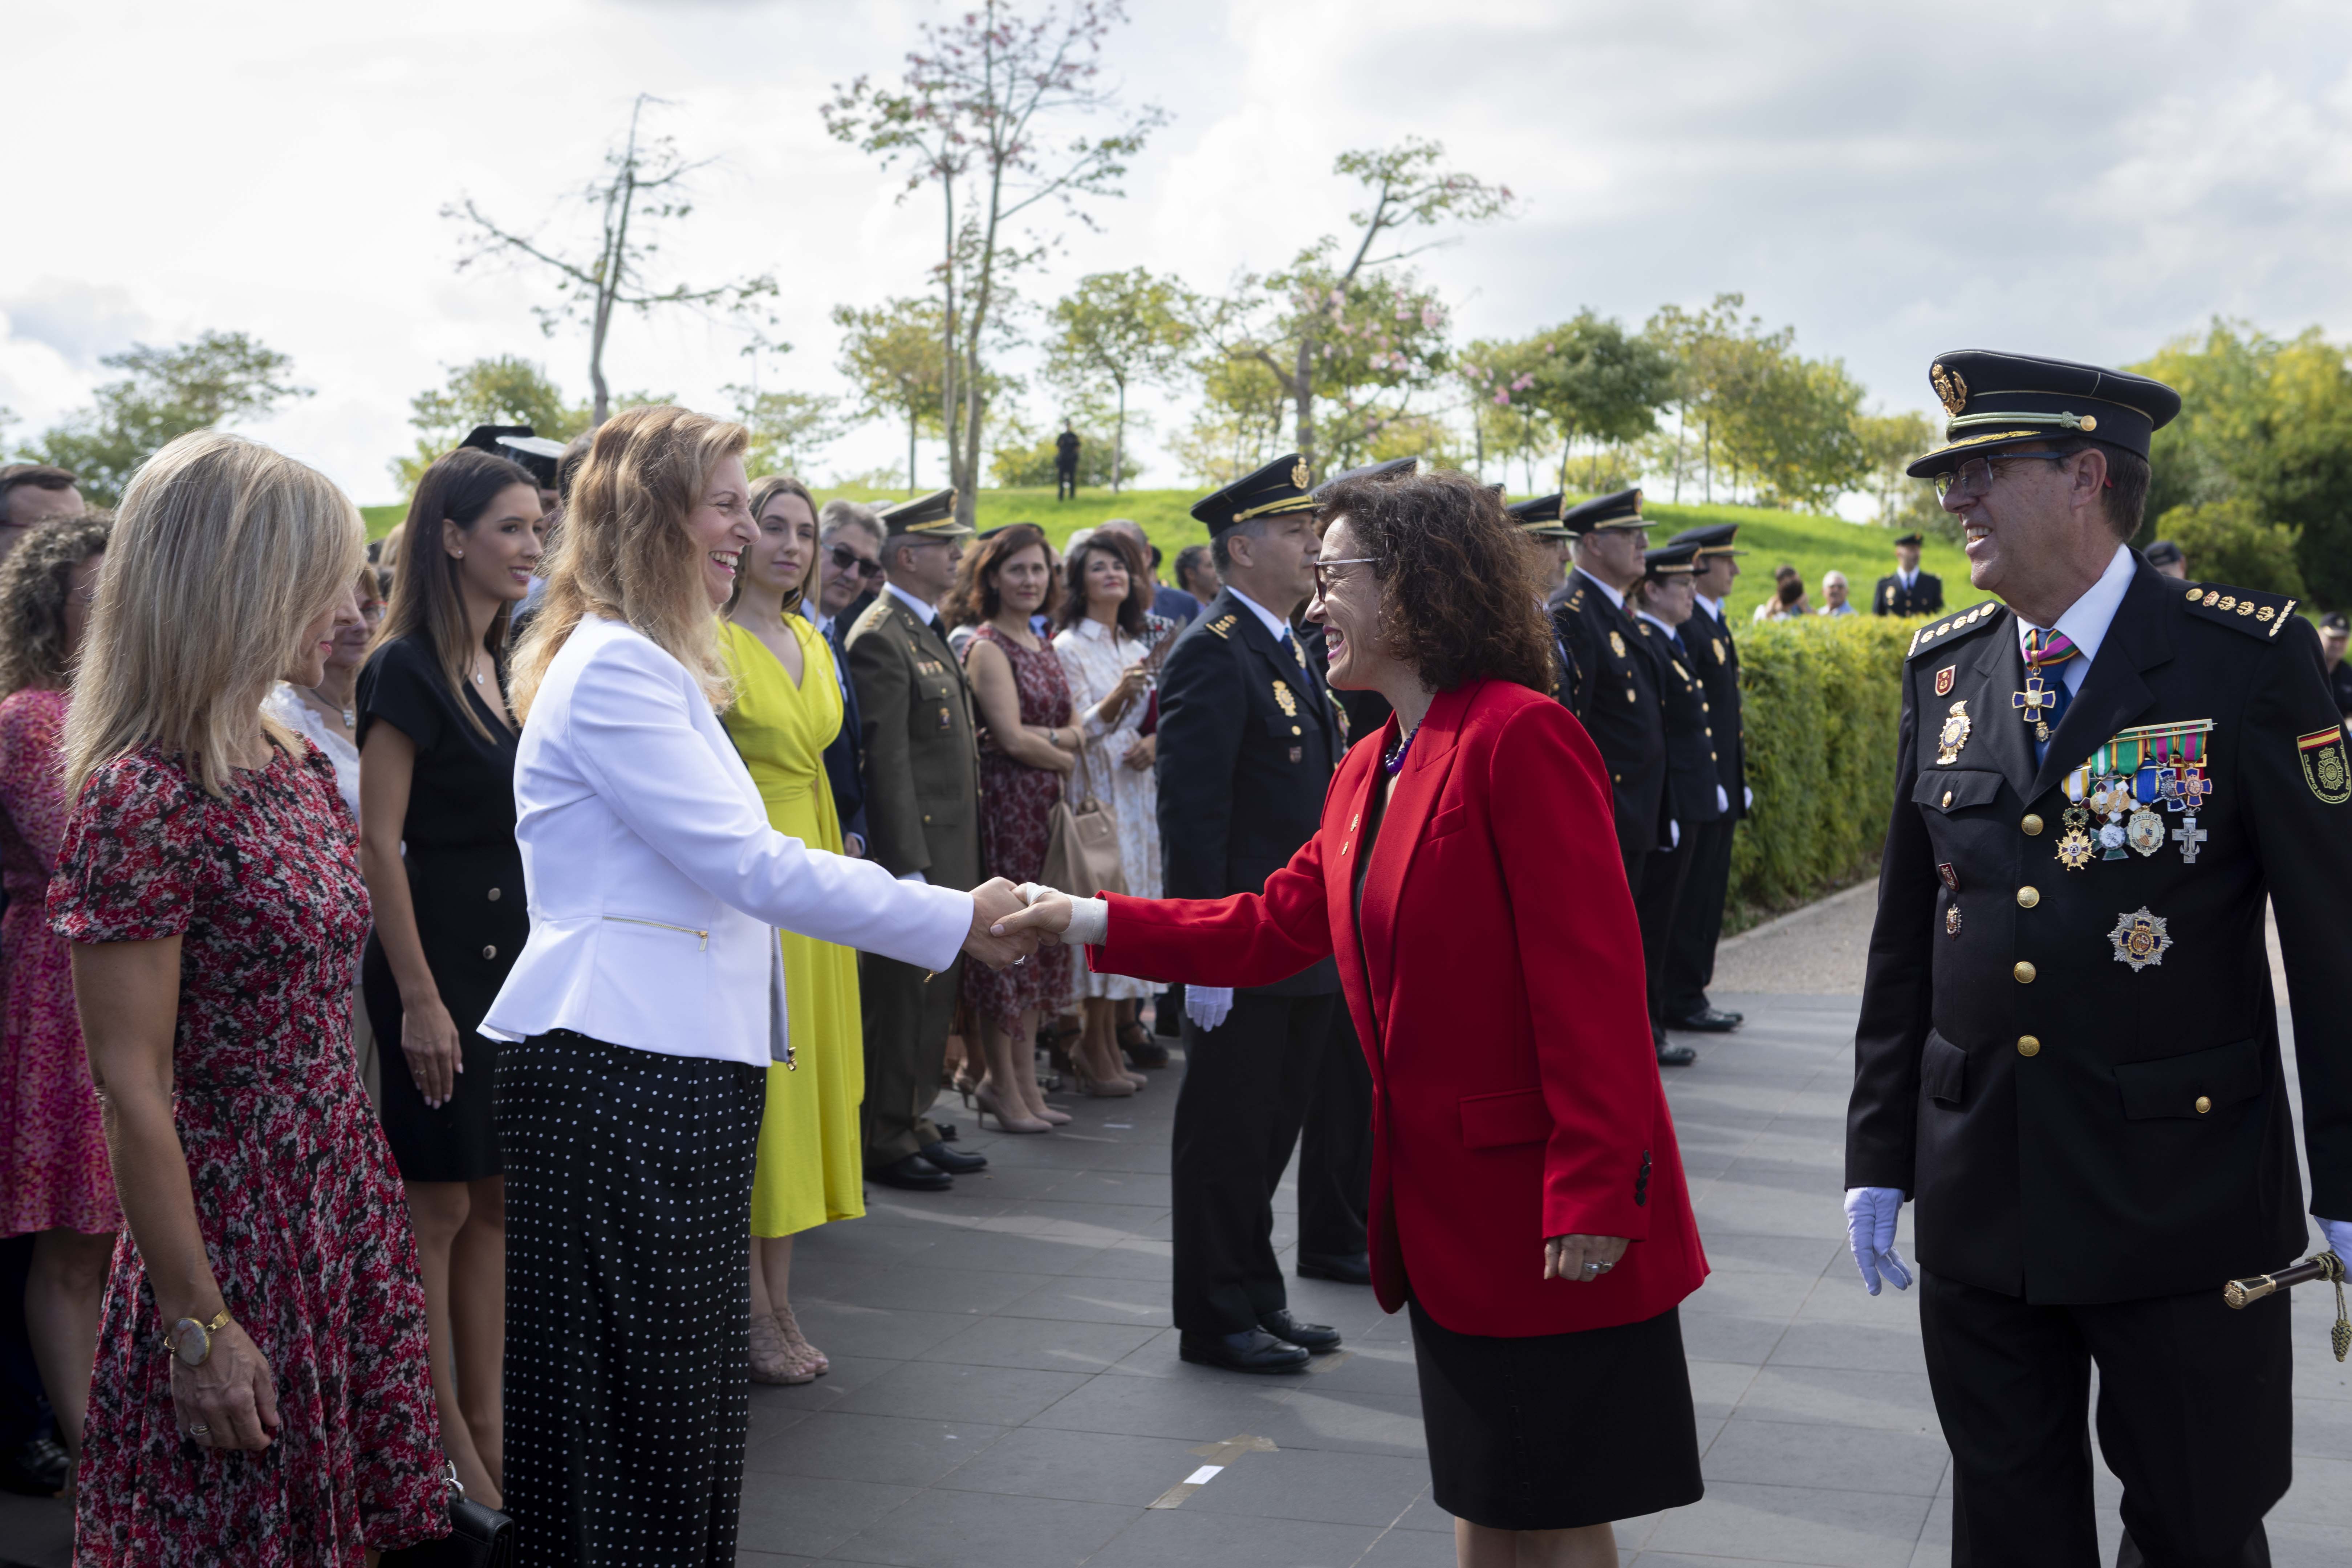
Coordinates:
1580 961
1249 939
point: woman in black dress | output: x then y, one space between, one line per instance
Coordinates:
437 847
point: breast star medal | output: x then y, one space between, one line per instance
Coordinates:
2140 939
1954 734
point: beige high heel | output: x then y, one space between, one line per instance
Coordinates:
772 1360
809 1356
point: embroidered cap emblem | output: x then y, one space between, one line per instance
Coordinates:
1944 680
1298 475
1949 388
2140 939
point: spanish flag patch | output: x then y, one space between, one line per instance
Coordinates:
2324 765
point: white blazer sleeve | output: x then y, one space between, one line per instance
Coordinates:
636 744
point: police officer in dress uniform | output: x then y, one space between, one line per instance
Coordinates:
1662 606
1539 520
2068 1051
1909 591
1715 659
1248 740
1615 684
922 819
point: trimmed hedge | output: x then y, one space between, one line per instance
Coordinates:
1821 701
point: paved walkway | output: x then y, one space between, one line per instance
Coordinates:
1006 1392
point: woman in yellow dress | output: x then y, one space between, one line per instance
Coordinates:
788 708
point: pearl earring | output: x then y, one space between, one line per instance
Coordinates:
461 555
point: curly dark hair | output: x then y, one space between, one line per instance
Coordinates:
1137 605
974 598
1460 591
33 583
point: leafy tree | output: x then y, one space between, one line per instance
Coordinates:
979 116
1889 443
1128 328
1687 337
644 186
788 428
1494 378
1594 379
504 389
1335 318
2228 542
896 356
164 394
1237 426
1796 432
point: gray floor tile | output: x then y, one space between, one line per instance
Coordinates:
1730 1250
1793 1524
1126 1261
1002 1396
1935 1548
1748 1295
848 1374
2322 1428
1322 1486
1833 1459
1860 1347
1321 1417
1045 1343
880 1333
1080 1466
1718 1386
1182 1538
1085 1299
1411 1549
1894 1401
1717 1336
939 1529
803 1516
1367 1368
1207 1407
897 1451
913 1286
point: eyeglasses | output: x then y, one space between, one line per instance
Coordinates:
1975 476
845 559
1323 582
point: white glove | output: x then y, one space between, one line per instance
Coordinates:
1749 790
1870 1216
1673 835
2339 1236
1207 1004
1722 801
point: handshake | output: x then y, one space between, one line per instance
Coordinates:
1010 921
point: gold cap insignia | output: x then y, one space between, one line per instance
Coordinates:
1299 475
1949 388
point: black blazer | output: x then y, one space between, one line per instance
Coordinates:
2080 1121
1615 691
1248 740
1715 659
1690 731
845 760
1924 597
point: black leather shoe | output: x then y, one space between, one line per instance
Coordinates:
1353 1268
1708 1021
1670 1055
954 1162
39 1469
1313 1338
914 1174
1150 1054
1252 1351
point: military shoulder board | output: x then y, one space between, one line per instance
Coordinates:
1950 626
2257 615
1223 626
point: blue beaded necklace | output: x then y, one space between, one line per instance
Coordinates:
1393 760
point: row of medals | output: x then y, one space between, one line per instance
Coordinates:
2126 803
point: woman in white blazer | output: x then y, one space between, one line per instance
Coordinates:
645 1007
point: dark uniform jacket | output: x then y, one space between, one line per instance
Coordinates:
1715 659
1691 776
1615 691
2078 1073
1924 598
922 761
844 757
1248 740
2339 682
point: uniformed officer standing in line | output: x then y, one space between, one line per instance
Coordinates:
2068 1051
1248 740
1909 591
1715 659
922 819
1549 538
1614 683
1661 607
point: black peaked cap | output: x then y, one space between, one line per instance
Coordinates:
1997 399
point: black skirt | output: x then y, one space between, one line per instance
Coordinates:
1558 1431
628 1301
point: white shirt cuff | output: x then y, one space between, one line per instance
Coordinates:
1089 922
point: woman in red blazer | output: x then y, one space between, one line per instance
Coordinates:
1528 1195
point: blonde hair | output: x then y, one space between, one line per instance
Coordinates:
221 553
625 554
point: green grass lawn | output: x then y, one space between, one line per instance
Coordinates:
1812 544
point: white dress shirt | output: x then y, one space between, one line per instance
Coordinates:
923 612
656 885
2085 624
1616 596
1274 623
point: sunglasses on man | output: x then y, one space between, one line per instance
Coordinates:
845 559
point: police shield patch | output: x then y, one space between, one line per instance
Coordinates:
2324 767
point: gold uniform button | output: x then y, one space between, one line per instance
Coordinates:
1948 798
2027 1046
2203 1105
927 817
1295 729
490 952
2024 972
2028 897
2032 826
496 895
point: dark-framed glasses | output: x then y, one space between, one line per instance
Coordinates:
845 559
1323 580
1975 476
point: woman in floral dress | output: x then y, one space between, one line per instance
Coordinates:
54 1179
1024 754
208 884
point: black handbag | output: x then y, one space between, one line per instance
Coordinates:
479 1537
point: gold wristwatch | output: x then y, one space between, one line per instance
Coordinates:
178 1338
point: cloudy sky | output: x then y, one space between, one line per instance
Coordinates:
1893 179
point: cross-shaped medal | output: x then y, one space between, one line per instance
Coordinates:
2189 835
2034 705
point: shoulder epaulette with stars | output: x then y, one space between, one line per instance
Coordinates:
1576 600
876 613
1222 627
1950 626
2253 612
